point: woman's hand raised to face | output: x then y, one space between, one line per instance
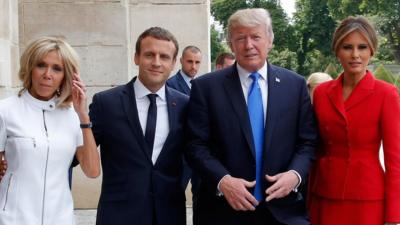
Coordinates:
79 98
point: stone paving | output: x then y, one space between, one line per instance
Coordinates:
88 217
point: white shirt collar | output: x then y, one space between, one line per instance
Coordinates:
186 78
49 105
244 74
142 91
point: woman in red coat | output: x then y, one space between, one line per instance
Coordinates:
356 113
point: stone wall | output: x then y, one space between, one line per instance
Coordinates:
104 33
9 51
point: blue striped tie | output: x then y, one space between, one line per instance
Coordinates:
256 114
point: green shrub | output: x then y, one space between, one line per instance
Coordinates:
331 70
382 73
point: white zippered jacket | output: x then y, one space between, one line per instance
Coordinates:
39 141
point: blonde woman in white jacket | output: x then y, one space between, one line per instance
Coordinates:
41 130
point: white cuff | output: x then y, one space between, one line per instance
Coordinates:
295 189
219 193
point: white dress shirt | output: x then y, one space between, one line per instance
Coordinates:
162 125
246 81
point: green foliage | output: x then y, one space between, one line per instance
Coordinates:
309 37
384 55
284 58
216 45
223 9
314 27
384 13
397 82
382 73
332 71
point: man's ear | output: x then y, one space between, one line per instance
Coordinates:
136 59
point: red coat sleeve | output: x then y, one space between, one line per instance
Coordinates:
390 126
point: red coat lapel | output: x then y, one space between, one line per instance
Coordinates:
363 89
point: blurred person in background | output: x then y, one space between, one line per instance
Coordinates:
224 60
316 79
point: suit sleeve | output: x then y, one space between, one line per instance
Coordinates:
390 127
95 112
198 152
306 136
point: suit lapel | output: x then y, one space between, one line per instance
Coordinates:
335 95
182 83
130 108
361 92
235 95
275 90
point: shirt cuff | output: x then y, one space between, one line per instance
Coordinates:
295 189
219 193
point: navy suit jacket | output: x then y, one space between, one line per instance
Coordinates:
134 191
178 83
221 143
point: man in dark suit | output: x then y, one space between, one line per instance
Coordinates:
139 127
251 133
190 61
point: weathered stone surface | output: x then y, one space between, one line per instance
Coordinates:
81 24
14 64
170 2
14 22
4 19
188 26
103 65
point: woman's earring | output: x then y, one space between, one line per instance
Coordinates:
58 92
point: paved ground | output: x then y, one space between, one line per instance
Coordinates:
87 217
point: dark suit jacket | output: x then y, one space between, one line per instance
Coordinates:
178 83
220 140
134 191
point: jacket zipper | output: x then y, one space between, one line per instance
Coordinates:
45 171
8 189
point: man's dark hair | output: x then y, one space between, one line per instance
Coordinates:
160 34
191 48
222 56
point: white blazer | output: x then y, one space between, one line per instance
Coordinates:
39 141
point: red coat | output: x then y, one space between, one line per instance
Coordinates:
347 166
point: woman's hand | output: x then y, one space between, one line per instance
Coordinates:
79 98
3 165
87 154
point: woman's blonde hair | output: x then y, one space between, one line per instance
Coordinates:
36 51
317 78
